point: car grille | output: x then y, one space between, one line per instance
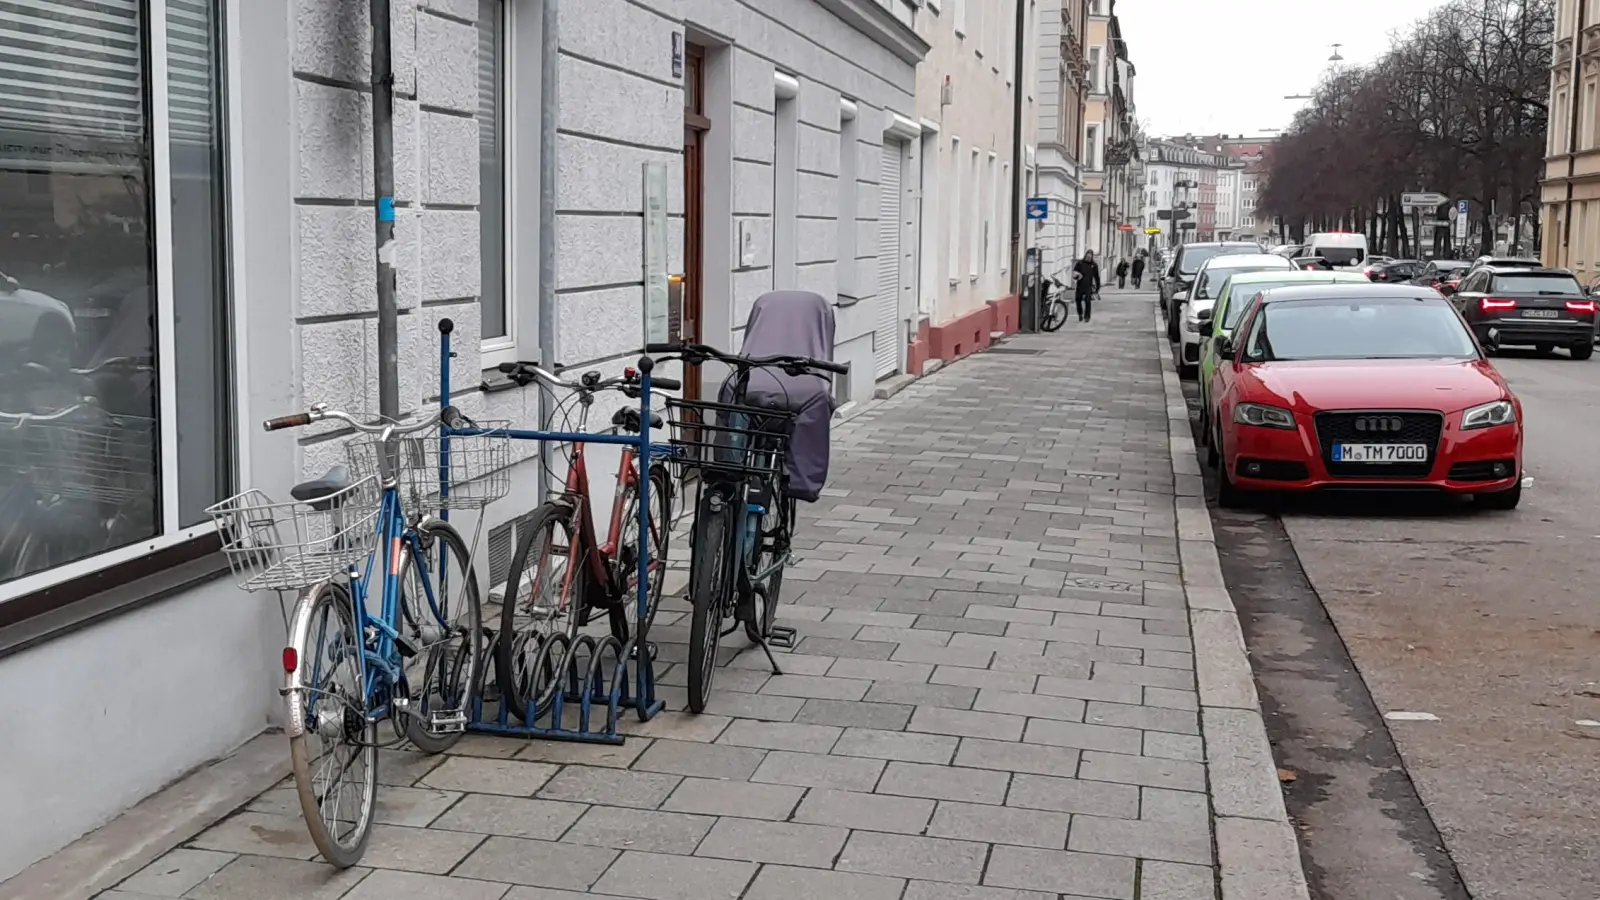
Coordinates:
1417 427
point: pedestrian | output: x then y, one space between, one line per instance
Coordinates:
1122 274
1138 271
1086 274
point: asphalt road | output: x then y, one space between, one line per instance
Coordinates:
1355 610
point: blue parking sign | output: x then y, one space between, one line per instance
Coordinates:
1461 208
1038 209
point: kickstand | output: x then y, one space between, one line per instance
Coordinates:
758 642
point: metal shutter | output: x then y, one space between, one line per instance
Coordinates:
886 342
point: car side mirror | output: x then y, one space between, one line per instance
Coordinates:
1224 346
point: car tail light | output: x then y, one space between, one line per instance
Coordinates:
1488 304
1583 306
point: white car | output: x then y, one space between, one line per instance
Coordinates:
1207 283
35 320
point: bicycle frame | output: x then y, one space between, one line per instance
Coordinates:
598 554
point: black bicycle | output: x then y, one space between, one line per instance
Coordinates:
745 517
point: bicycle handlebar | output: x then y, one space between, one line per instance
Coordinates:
449 415
523 373
690 351
20 419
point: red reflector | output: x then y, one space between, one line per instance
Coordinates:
291 659
629 372
1581 305
1488 303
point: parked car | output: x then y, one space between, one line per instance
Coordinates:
1440 274
1312 264
1208 283
1342 249
1373 263
1395 271
1361 386
38 322
1289 251
1520 262
1237 293
1179 275
1544 308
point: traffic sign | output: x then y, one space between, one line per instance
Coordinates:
1038 209
1152 231
1461 207
1423 199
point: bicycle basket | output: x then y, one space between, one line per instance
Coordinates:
111 460
729 439
290 545
471 472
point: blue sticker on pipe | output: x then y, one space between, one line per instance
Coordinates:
385 209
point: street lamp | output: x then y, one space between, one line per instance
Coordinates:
1336 57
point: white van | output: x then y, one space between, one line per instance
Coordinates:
1342 249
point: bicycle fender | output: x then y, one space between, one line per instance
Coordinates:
294 687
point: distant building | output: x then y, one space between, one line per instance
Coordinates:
1571 194
1063 73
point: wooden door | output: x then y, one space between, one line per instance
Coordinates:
689 322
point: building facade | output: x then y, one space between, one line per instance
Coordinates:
1227 203
1063 89
1185 182
968 181
1110 198
206 208
1570 232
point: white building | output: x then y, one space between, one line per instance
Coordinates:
198 189
1063 79
1228 203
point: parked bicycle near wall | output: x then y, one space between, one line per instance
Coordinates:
759 448
360 535
561 570
1053 309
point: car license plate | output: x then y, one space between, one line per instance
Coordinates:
1541 313
1380 453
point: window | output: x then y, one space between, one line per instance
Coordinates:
113 258
976 246
1586 133
1004 187
785 192
989 215
1094 70
955 208
1091 142
846 222
958 17
496 323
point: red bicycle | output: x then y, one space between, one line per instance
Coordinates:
561 572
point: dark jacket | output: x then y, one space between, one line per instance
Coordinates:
1122 268
1088 276
1138 267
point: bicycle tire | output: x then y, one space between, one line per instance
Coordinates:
624 614
777 545
442 656
522 693
709 579
341 851
1056 316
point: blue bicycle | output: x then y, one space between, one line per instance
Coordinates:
360 535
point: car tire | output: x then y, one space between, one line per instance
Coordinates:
1229 496
1582 352
1213 445
1172 327
1186 371
1501 500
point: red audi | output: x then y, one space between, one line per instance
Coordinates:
1361 386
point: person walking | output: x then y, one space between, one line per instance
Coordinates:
1122 274
1138 271
1086 276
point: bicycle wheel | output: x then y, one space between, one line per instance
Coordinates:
335 757
544 597
1055 316
624 615
775 526
709 584
442 612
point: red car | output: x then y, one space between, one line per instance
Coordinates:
1361 386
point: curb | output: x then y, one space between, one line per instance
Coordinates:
104 857
1258 856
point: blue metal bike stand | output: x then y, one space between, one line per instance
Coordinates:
587 689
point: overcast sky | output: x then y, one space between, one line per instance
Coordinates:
1224 66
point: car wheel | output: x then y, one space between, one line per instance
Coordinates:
1186 371
1213 445
1172 327
1582 351
1502 500
1229 496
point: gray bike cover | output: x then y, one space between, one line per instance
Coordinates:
793 323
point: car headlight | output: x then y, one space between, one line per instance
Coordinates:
1263 416
1500 412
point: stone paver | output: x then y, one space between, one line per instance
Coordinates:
992 698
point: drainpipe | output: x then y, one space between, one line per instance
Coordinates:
1017 179
549 114
1572 133
383 190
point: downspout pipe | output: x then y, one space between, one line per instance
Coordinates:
1572 133
549 116
383 191
1017 175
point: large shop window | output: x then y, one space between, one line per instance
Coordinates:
115 420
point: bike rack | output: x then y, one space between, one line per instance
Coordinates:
585 660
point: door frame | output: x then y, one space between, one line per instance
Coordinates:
695 126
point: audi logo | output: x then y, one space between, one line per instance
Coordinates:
1379 423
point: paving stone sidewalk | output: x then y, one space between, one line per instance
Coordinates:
993 695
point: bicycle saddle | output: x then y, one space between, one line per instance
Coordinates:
317 491
627 419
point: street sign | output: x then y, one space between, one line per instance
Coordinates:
1461 207
1038 209
1124 227
1423 199
1152 231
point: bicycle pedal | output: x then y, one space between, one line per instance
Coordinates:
447 723
405 645
782 636
794 560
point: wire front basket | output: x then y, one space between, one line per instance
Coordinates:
290 545
469 472
730 439
107 459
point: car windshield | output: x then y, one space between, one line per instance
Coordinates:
1537 284
1192 258
1364 328
1341 256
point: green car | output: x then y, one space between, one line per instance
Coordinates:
1234 297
